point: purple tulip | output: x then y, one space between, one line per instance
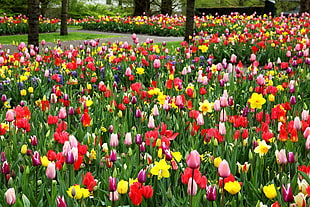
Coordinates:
36 159
142 176
112 184
287 193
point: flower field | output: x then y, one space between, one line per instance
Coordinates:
220 121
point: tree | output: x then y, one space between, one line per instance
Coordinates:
64 17
166 7
190 13
33 22
142 7
304 6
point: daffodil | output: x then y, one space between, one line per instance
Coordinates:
161 169
262 148
77 192
257 101
205 107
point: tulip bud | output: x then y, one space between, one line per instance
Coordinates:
211 193
193 159
113 156
114 196
287 193
128 139
138 139
51 171
192 187
61 202
10 196
112 184
3 157
223 169
10 116
290 157
142 176
5 169
36 159
114 140
70 157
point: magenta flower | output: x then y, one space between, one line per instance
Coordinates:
287 193
36 159
211 193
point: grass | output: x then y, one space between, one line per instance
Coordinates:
53 37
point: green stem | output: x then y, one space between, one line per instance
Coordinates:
192 187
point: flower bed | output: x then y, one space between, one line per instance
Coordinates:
223 120
19 25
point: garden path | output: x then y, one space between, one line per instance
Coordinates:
121 37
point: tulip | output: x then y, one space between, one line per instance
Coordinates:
34 140
62 113
36 159
290 157
300 200
222 128
211 193
287 193
308 143
3 157
128 139
192 187
142 147
151 123
155 110
142 176
223 169
51 171
3 98
10 196
193 159
217 105
10 116
138 113
114 140
114 196
200 119
61 202
122 187
70 157
156 63
5 169
113 155
233 58
305 115
281 156
138 139
112 184
293 100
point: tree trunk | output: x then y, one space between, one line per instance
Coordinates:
190 13
120 3
142 7
304 6
33 22
64 17
166 7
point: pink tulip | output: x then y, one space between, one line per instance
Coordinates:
62 113
114 140
51 171
233 58
217 105
10 196
192 187
10 116
114 196
193 159
305 115
223 169
281 156
308 143
200 119
134 36
307 132
151 123
156 63
222 128
73 141
128 139
252 57
260 80
223 116
155 110
223 101
297 123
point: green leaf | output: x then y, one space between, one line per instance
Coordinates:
305 176
25 201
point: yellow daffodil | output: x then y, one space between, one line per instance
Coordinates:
256 101
205 107
262 148
161 169
77 192
140 71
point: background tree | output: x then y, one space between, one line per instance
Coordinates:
33 22
166 7
304 6
190 13
64 17
142 7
